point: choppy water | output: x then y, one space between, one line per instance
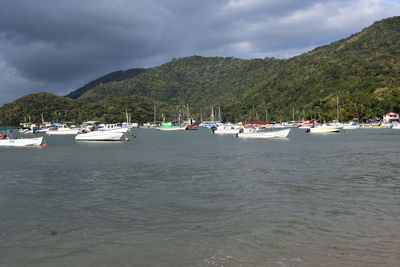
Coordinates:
197 199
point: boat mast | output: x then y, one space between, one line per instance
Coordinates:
293 116
337 108
155 112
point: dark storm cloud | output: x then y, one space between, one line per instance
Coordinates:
57 46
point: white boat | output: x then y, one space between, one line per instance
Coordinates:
351 126
174 128
114 127
26 131
396 126
325 129
226 129
99 136
264 134
61 130
37 141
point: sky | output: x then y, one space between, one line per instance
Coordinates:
58 46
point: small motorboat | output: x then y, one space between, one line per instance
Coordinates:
98 136
264 134
324 129
6 140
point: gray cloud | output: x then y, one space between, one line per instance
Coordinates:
57 46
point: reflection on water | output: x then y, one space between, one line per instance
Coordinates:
196 199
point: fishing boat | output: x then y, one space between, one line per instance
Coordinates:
98 136
264 134
5 140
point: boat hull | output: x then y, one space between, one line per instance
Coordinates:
227 131
351 127
22 142
171 128
325 130
99 136
273 134
373 127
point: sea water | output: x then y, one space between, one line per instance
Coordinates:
191 198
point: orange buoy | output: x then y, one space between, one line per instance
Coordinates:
44 144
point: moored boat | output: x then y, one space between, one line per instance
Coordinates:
61 130
325 129
372 126
264 134
168 126
7 141
226 129
99 136
351 126
396 126
114 127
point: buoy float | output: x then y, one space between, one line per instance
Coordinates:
44 144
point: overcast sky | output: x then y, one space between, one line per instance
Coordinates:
59 45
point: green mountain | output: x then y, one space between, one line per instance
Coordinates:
195 80
111 77
58 108
362 71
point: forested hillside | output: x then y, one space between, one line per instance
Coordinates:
59 108
111 77
196 80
